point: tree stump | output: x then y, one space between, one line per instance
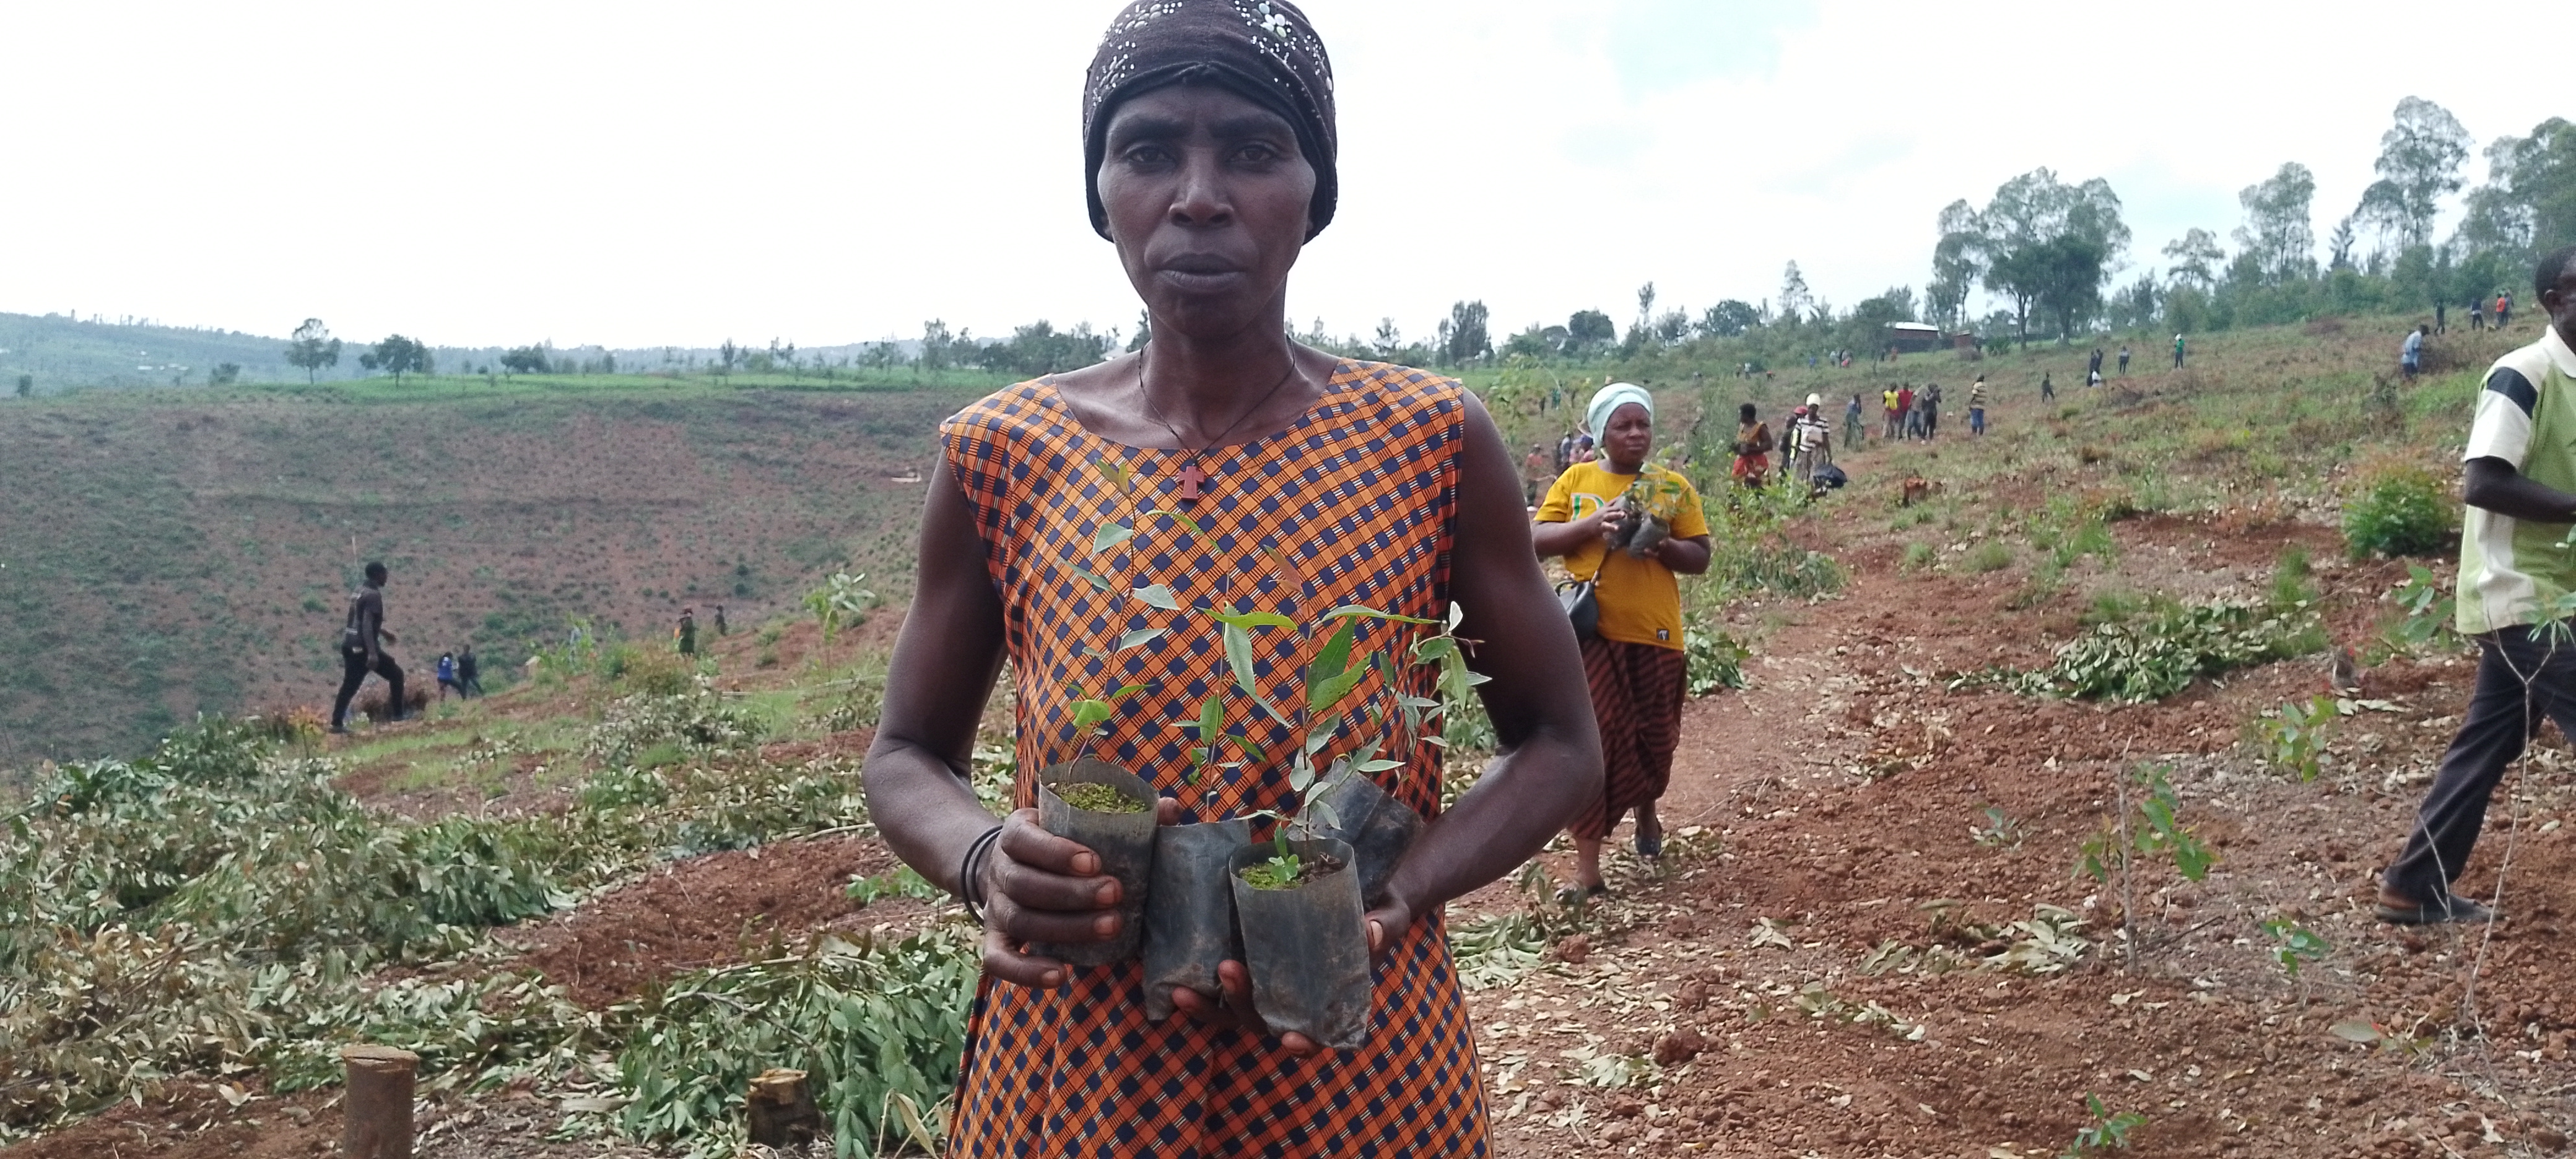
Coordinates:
376 1117
781 1109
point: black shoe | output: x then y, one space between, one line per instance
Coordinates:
339 730
2449 908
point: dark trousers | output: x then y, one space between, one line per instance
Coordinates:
353 672
2503 715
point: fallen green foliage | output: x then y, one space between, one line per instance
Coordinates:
877 1028
2161 652
216 908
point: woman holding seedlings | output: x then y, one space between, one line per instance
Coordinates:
1630 528
1084 527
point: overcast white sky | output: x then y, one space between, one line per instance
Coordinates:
641 174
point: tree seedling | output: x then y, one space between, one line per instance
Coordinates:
1999 832
2107 1131
2151 831
2294 735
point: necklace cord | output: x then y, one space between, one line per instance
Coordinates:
1212 444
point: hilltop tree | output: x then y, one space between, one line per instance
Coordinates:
2529 200
1728 319
224 374
1795 300
1589 330
2045 245
2419 164
26 385
1464 335
525 360
726 356
2277 233
2196 258
312 347
2339 245
1645 306
396 355
1954 266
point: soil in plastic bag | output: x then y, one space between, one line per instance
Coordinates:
1307 948
1124 841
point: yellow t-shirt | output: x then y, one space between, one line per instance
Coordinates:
1641 600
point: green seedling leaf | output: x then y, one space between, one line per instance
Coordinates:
1322 696
1139 638
1111 536
1355 610
1322 734
1335 659
1090 713
1182 518
1094 578
1321 813
1238 656
1118 475
1301 775
1432 649
1211 719
1250 620
1129 690
1380 766
1158 595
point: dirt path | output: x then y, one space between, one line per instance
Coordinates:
1792 983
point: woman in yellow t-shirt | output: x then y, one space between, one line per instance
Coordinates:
1631 528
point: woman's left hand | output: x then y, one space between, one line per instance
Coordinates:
1234 1010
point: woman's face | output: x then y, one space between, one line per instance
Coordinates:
1631 434
1207 197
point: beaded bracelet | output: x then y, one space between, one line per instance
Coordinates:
969 888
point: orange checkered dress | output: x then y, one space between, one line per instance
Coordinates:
1354 504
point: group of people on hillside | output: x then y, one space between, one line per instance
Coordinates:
364 641
364 644
1911 414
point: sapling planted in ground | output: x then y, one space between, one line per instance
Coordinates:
2153 830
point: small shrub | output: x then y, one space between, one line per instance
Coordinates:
1989 556
1715 659
2293 736
1918 555
2401 511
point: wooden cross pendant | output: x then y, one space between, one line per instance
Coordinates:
1191 477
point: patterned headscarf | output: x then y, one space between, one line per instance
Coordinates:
1261 50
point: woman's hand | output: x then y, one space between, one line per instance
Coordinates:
1039 887
1233 1008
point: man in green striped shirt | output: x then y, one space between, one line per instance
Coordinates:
2520 488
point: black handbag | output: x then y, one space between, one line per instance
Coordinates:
1582 608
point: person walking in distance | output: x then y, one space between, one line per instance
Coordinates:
722 629
2410 357
1929 402
2124 360
447 677
1909 418
2520 488
687 632
2477 314
1535 475
2504 310
2094 366
1854 426
1752 449
362 650
2047 387
2177 351
1634 664
1977 406
1894 401
469 674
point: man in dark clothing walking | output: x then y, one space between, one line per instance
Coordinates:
721 629
2520 488
688 631
469 676
2124 360
362 641
2095 366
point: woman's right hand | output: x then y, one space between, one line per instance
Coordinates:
1039 887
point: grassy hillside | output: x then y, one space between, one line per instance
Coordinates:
168 552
